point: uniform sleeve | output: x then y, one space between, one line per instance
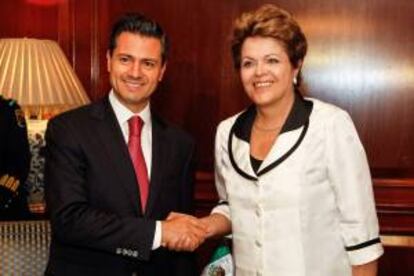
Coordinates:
350 176
14 162
220 165
188 180
18 152
185 261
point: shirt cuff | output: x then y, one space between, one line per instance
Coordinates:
222 209
157 236
360 256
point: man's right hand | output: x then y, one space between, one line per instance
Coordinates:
182 232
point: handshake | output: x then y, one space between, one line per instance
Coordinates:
182 232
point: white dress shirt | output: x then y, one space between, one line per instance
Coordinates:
123 114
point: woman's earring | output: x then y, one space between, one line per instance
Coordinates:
295 80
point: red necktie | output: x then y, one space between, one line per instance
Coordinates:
135 150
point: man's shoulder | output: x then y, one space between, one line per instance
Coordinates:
77 115
178 133
78 122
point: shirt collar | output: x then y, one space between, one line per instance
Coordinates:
123 114
298 116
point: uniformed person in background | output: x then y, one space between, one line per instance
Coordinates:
14 161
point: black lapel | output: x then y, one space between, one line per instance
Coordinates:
160 153
298 117
116 150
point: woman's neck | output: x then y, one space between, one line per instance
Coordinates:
275 115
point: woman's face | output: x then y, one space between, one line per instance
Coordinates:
265 71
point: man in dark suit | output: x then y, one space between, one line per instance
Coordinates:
14 161
112 196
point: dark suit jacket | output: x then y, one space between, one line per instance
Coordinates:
98 227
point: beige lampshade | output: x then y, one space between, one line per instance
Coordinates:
38 76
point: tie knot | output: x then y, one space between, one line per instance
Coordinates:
135 124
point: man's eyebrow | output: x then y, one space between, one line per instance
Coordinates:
124 55
150 59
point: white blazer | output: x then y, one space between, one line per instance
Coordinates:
309 210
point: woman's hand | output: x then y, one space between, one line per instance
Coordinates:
217 225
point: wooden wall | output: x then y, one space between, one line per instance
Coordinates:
360 58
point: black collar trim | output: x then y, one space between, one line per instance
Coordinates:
233 161
297 118
288 153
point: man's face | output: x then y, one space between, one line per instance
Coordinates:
135 68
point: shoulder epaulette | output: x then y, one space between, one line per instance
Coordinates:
9 102
9 182
12 102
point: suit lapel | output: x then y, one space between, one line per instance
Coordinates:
113 143
292 134
160 155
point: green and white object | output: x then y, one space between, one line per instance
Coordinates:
221 263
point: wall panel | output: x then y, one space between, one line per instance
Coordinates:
357 59
20 19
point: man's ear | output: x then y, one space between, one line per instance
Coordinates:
108 61
164 66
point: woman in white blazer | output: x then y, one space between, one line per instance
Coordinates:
292 176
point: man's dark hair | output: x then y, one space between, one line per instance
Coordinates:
139 24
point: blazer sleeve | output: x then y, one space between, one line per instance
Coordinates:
187 180
18 151
75 221
351 180
221 165
185 264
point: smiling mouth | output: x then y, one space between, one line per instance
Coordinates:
260 84
134 85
